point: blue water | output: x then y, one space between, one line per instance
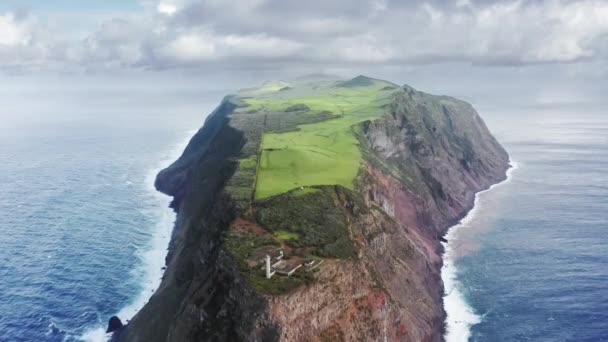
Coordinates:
535 267
79 215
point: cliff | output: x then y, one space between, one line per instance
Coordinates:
353 182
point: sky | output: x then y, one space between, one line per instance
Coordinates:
553 51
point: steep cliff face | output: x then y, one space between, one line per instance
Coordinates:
202 296
424 163
376 244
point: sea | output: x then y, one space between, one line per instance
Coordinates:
83 233
530 261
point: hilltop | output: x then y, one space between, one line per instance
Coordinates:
314 210
306 136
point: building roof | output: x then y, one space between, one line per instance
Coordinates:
259 254
287 265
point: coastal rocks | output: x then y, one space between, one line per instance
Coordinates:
115 327
114 324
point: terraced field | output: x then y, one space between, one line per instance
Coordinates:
320 153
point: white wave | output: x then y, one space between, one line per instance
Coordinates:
460 315
152 258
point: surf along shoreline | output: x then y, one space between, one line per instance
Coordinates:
460 316
151 259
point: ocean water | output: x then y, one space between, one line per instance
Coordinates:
83 233
530 263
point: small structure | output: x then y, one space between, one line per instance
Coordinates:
287 267
258 257
269 271
271 260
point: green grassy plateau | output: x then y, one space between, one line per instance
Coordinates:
298 140
324 152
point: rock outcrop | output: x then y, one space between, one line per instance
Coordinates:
423 160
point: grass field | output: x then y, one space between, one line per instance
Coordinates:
322 153
284 235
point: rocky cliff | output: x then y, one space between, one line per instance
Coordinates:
373 240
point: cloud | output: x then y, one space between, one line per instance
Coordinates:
13 31
166 8
26 44
259 45
212 34
190 47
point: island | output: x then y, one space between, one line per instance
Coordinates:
314 211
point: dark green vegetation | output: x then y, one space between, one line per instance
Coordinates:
313 220
243 245
307 224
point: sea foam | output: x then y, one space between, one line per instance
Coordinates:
460 315
152 257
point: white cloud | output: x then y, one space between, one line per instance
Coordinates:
191 33
551 31
12 31
204 46
166 8
170 7
190 47
259 45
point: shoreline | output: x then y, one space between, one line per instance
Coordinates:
151 260
460 316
